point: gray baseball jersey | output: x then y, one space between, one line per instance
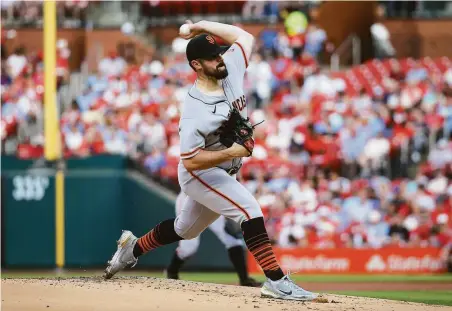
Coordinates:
212 192
202 115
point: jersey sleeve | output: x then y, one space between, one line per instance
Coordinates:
192 139
235 56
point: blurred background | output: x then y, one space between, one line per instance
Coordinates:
354 158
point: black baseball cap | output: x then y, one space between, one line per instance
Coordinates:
204 46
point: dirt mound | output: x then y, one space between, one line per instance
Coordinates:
142 293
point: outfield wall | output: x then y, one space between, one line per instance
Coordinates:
359 261
101 199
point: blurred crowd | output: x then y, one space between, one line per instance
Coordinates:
22 93
359 158
30 13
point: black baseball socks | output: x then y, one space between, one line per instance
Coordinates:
162 234
258 243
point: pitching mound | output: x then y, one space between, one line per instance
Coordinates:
141 293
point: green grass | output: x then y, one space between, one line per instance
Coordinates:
230 278
428 297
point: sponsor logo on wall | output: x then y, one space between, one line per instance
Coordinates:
403 260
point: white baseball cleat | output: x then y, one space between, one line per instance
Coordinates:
285 288
123 256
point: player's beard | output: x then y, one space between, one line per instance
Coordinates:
220 72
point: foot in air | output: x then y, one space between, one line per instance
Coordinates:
124 255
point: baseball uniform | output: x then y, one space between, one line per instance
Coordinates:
213 192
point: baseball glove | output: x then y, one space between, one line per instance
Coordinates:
238 130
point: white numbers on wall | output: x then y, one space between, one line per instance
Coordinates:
29 187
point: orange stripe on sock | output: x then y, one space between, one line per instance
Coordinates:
142 243
265 254
151 243
258 249
153 239
274 267
255 244
147 245
254 237
255 247
266 261
270 264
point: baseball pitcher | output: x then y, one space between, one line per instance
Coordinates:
214 135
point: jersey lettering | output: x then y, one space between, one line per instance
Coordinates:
239 103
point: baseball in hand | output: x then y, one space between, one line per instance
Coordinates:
184 30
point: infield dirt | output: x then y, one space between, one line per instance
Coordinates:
143 293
